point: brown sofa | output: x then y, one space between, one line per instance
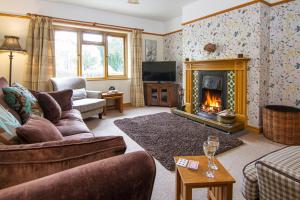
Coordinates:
79 167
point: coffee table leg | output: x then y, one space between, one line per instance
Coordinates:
229 192
187 193
178 186
220 193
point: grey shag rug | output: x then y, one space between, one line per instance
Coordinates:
165 135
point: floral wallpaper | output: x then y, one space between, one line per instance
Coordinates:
269 36
284 78
173 52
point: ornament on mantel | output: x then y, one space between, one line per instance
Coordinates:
210 48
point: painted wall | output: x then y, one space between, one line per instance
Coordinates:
78 13
284 83
19 27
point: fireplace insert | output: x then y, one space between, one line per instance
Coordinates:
212 92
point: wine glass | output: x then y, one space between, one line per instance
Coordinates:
209 151
213 141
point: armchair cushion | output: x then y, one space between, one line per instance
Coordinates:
85 105
22 163
130 176
79 94
94 94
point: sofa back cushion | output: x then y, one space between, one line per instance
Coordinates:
22 101
50 107
38 129
79 94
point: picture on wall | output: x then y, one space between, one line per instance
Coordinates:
150 50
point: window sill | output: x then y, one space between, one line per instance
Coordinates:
107 79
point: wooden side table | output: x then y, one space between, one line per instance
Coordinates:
118 97
219 188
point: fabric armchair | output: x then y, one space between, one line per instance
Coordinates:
89 103
127 177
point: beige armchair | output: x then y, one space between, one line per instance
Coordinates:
89 103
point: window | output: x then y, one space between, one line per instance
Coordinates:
66 53
91 54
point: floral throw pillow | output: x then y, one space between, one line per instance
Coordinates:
22 101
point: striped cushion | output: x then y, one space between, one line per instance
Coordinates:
286 159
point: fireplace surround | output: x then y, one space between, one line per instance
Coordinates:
228 77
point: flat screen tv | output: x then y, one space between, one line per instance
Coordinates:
159 71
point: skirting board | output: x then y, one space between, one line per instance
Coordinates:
254 129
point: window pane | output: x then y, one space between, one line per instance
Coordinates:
66 53
92 37
92 61
116 61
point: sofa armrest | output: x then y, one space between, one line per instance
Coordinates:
22 163
277 181
94 94
130 176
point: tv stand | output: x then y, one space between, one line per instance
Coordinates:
161 94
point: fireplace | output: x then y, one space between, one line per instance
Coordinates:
212 92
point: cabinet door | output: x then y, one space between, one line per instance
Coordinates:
154 96
164 97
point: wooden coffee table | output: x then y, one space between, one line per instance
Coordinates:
219 188
118 97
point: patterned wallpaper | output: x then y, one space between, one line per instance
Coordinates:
284 83
255 31
173 52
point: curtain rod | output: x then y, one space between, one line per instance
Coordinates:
85 23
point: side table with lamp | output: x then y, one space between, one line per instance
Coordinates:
11 44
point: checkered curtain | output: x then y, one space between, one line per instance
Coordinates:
40 48
136 87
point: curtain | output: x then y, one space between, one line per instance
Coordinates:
40 49
136 87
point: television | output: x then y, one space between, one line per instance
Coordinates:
159 71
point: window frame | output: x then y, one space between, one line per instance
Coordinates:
105 34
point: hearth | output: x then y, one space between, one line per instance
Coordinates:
212 93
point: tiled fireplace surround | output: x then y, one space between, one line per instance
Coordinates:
234 92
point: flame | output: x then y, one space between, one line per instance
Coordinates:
212 100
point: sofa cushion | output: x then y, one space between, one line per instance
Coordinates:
50 107
85 105
63 98
8 127
4 84
71 114
79 94
71 126
79 136
22 101
38 129
22 163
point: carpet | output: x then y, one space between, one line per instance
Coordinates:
165 135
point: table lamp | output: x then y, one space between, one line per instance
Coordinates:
11 44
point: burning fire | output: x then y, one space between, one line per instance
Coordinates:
212 102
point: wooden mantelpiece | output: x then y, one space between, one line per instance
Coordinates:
238 65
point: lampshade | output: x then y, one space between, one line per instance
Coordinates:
11 43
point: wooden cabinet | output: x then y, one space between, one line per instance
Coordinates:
161 94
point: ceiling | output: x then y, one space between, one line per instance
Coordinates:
161 10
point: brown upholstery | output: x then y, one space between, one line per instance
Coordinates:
22 163
127 177
38 129
63 98
69 126
50 107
